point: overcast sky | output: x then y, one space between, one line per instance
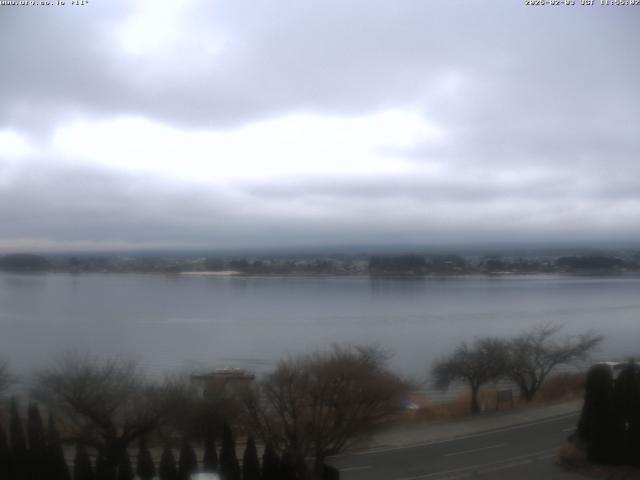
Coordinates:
215 124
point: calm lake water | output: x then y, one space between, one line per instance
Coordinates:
175 323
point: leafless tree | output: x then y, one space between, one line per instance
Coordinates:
534 354
477 364
6 378
107 403
319 404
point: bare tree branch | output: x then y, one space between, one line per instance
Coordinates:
475 365
319 404
534 354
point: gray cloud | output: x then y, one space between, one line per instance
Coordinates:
539 109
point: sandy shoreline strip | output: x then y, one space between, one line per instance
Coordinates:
221 273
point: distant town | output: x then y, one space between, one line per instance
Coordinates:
388 264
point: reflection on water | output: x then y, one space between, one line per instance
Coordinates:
171 322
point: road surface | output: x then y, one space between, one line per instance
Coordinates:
522 452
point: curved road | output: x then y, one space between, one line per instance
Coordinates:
522 451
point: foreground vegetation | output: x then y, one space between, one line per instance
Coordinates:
526 360
310 407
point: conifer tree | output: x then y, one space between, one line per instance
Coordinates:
145 469
270 463
595 425
106 468
187 462
5 455
250 462
626 414
634 417
125 470
167 468
19 452
37 455
82 469
330 473
229 466
57 464
210 457
287 469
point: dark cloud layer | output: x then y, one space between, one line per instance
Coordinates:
538 110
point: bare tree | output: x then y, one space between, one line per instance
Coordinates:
319 404
107 404
475 365
534 354
6 378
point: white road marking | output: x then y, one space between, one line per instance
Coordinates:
353 469
455 439
546 457
477 466
454 454
506 466
571 429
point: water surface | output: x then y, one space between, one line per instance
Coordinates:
173 322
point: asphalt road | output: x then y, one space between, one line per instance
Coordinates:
522 452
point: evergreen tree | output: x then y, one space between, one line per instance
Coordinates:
210 457
595 426
57 464
187 462
287 469
167 468
82 469
5 455
626 421
330 473
270 464
250 462
38 458
125 470
19 453
105 469
229 466
145 469
634 417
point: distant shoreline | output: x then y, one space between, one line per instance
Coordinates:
211 273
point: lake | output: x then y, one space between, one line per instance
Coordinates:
175 323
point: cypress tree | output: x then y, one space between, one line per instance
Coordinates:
82 469
250 462
5 455
38 458
270 464
19 453
58 467
187 462
105 469
287 469
145 469
229 466
634 417
626 414
330 473
125 470
210 457
595 425
167 468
